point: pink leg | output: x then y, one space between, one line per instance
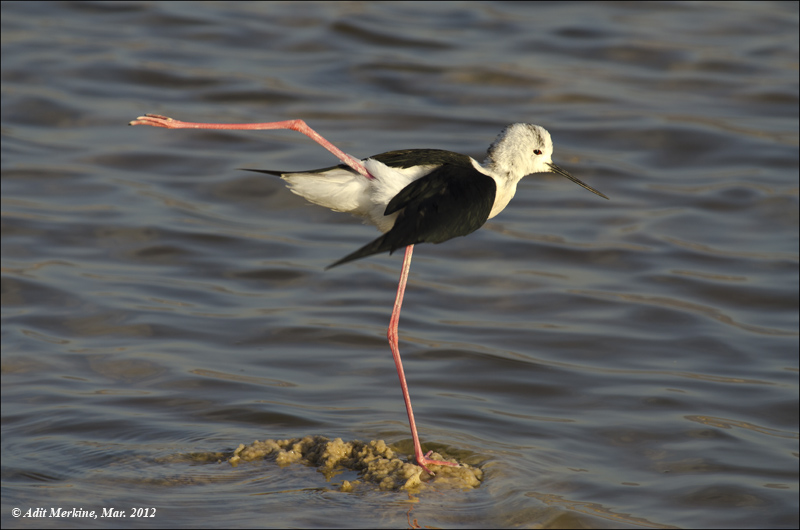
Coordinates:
422 460
300 126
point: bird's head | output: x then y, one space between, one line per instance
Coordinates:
523 148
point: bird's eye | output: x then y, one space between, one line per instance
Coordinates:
537 151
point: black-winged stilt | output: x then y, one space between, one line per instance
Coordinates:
412 196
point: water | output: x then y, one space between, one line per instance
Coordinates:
630 362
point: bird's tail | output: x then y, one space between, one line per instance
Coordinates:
267 171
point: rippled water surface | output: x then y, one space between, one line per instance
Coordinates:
624 363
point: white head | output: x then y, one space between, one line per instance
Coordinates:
521 149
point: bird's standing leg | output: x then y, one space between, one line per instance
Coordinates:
156 120
422 460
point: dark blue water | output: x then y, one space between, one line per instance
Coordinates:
624 363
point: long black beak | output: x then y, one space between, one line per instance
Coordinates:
557 170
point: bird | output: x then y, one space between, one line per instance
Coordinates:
412 196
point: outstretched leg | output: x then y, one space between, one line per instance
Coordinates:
422 460
156 120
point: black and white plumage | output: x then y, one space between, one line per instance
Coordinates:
413 196
429 195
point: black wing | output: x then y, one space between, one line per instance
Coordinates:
403 158
453 200
422 157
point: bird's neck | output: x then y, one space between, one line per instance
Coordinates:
506 188
506 183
